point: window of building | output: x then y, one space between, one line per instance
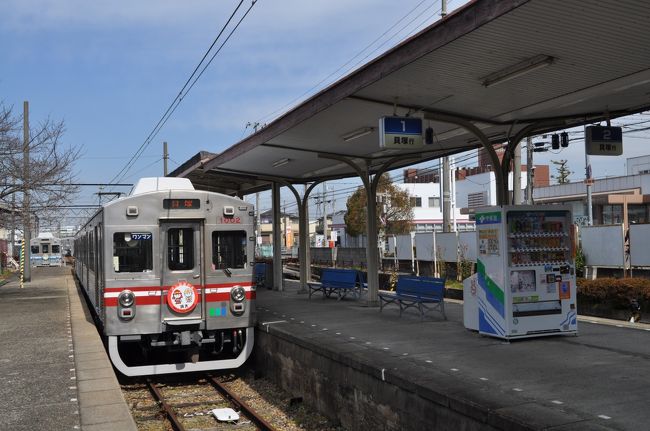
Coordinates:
180 249
434 202
612 214
637 213
132 252
416 202
228 249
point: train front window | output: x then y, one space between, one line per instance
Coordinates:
45 248
132 252
228 249
56 248
180 249
34 249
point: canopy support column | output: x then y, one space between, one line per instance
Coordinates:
303 216
370 183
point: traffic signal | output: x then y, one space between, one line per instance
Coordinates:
564 139
555 141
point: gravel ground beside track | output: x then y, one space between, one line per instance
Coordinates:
194 398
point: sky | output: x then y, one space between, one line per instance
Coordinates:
110 69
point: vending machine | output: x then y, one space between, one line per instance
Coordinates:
525 283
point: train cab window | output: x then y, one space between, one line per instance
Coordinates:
228 249
34 249
132 252
45 248
180 249
56 248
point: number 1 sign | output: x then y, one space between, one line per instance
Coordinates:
400 132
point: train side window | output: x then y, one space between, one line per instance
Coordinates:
132 254
180 249
34 249
56 248
228 249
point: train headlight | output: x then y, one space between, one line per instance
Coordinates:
126 298
238 294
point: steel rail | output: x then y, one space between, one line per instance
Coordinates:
166 407
235 400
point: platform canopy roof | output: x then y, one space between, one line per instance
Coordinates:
502 64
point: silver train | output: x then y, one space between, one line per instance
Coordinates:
169 273
45 250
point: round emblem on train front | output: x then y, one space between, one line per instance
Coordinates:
182 297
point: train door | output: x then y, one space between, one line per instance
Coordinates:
182 274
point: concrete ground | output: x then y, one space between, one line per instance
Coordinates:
55 372
599 379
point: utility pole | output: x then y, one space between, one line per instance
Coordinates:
165 158
13 223
258 220
452 194
327 244
588 181
530 173
446 196
516 176
27 271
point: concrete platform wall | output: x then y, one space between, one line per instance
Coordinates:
353 394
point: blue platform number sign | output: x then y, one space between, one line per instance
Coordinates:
400 133
604 141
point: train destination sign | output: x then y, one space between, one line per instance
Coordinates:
604 141
181 204
400 132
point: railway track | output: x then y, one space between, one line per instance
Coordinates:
187 404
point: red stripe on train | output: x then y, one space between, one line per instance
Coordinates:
155 300
147 288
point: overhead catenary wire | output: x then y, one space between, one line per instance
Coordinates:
343 68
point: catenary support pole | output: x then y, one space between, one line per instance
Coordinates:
277 239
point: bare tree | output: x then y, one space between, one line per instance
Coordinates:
51 175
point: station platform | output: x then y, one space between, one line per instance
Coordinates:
55 372
373 370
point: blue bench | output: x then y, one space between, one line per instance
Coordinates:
341 281
417 292
259 274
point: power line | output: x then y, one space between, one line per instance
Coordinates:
182 93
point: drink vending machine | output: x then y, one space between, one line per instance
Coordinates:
525 281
